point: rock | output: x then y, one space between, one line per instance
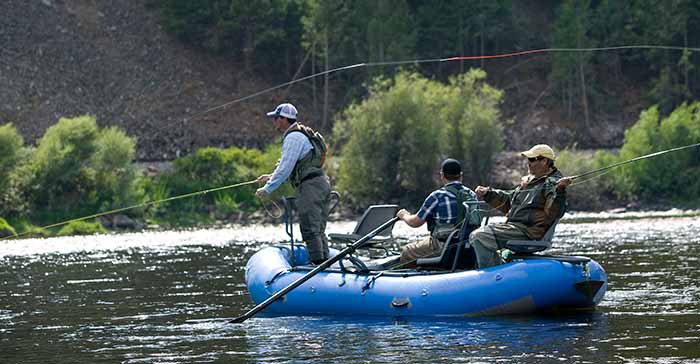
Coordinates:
120 221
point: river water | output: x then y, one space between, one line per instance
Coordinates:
166 297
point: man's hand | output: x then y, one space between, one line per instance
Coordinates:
401 213
409 218
563 183
262 180
481 191
260 192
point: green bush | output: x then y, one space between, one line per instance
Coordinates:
12 151
117 180
79 169
6 229
209 168
394 140
81 228
473 129
589 192
13 157
673 176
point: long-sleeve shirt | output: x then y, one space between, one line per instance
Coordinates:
294 147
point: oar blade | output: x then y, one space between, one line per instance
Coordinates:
238 319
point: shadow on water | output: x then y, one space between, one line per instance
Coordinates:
167 298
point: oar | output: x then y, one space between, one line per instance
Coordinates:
315 271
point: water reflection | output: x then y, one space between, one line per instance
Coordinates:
167 298
532 340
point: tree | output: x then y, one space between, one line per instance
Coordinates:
571 71
668 23
456 27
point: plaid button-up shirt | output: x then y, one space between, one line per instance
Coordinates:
441 206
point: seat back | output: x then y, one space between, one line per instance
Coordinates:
532 246
454 254
374 216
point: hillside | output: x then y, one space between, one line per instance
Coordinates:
112 59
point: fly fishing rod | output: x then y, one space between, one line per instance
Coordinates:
651 155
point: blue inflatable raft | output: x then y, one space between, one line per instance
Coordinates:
526 285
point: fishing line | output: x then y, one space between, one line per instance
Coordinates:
374 64
651 155
145 204
604 170
419 61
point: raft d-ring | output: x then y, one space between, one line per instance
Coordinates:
498 276
586 272
398 302
313 289
424 292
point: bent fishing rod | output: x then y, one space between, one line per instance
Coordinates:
647 156
486 57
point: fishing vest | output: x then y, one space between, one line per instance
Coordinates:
311 165
441 231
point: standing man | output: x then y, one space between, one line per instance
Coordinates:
301 162
443 210
531 208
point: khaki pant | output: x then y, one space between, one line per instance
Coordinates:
313 199
426 248
488 239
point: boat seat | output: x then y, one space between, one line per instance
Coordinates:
454 254
374 216
533 246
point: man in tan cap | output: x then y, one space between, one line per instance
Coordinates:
531 208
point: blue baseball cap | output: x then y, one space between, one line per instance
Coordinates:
285 110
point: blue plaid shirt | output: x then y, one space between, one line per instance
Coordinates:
441 206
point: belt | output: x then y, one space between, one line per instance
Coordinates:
311 175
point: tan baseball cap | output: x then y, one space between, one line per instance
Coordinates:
538 150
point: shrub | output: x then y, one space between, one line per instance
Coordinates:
6 229
394 140
13 157
473 129
209 168
674 176
117 181
587 193
81 228
78 169
27 230
12 151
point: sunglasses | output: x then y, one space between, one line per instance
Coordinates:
535 159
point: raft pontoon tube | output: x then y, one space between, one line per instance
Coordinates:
526 285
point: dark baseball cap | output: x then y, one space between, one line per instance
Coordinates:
451 167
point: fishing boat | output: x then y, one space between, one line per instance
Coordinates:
280 280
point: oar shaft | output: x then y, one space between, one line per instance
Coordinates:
315 271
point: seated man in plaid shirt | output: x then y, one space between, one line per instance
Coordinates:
442 210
